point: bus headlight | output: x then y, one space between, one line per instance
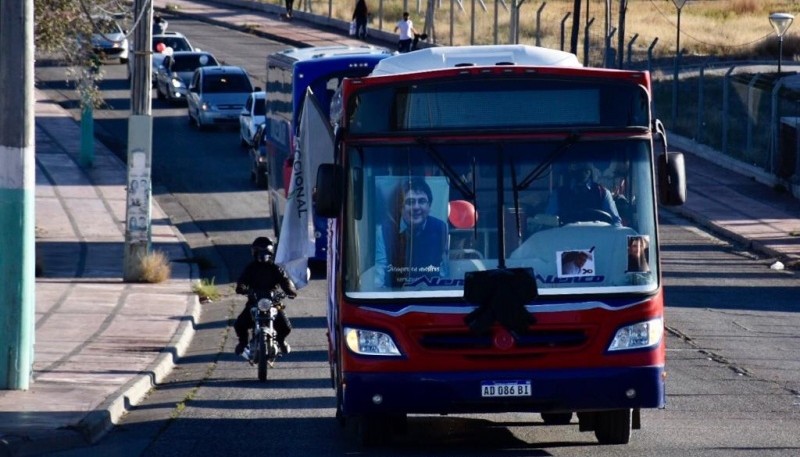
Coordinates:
370 342
639 335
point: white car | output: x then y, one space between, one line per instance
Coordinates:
253 114
164 44
109 40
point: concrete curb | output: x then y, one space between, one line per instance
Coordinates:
100 421
759 175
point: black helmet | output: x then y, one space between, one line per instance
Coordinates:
262 248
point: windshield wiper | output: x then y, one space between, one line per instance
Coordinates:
570 140
458 182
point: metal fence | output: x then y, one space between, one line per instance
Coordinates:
741 109
744 110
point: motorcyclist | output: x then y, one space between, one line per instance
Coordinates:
262 275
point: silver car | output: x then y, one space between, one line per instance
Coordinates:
175 73
217 95
109 40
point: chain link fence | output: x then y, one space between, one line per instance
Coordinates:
741 109
744 110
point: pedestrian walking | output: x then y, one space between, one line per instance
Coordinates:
360 15
289 8
406 28
159 25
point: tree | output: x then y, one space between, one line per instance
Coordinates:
63 30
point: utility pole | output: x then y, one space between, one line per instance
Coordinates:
17 196
140 142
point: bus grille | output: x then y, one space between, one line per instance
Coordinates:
529 340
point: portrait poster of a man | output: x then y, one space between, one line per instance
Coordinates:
411 240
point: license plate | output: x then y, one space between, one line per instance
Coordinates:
491 389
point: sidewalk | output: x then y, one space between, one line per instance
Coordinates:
102 343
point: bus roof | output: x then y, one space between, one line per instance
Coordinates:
318 52
435 58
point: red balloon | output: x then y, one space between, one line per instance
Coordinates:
462 214
160 47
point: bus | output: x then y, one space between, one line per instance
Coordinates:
290 74
463 274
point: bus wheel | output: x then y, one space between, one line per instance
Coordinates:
613 427
340 407
374 430
556 418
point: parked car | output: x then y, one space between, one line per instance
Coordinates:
217 95
109 40
162 45
253 115
175 73
259 171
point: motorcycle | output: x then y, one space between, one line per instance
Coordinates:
263 347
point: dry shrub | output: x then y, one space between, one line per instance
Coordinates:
155 268
745 7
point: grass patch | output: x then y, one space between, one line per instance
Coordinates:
206 289
725 28
154 268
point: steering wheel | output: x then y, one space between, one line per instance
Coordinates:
586 215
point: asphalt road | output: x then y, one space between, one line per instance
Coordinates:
733 385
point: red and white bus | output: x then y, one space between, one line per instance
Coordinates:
493 242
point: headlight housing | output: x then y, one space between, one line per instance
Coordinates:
370 342
639 335
264 304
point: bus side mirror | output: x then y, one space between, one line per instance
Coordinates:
328 193
671 179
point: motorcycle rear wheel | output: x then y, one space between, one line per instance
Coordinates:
262 358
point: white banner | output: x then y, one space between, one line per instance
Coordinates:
314 147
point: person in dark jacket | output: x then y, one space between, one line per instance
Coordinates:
360 15
415 244
262 275
581 198
159 25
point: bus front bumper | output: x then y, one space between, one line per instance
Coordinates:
546 391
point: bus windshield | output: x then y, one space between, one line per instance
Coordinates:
420 216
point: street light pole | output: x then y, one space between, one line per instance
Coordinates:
780 22
679 5
675 78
